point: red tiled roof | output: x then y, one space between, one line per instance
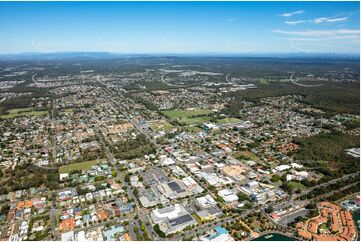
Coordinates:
67 224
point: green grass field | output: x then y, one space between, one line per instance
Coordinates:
161 126
193 129
17 112
86 165
187 116
67 110
228 121
246 155
295 185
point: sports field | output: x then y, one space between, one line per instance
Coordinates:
86 165
16 112
188 116
228 121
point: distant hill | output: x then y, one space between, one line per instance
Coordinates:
109 55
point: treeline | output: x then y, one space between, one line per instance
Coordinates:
343 193
18 102
326 146
22 101
329 188
148 104
26 176
133 148
326 151
335 98
331 97
89 154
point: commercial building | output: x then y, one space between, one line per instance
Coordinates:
228 195
173 189
151 197
172 219
206 201
263 196
192 185
250 187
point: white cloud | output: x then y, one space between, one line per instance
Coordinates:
325 44
292 13
321 33
317 20
328 20
295 22
300 39
313 40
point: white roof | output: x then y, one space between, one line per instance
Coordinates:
282 167
252 183
188 181
289 177
168 161
69 236
228 195
206 201
295 165
170 213
211 126
301 173
81 236
63 175
211 178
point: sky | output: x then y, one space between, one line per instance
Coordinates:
180 27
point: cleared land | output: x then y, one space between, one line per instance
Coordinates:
246 155
233 170
188 116
86 165
16 112
161 126
228 121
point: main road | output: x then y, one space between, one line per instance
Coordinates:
138 210
302 85
303 192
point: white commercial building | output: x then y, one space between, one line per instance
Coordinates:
172 219
206 201
227 195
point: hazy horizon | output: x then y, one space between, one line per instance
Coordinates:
228 28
